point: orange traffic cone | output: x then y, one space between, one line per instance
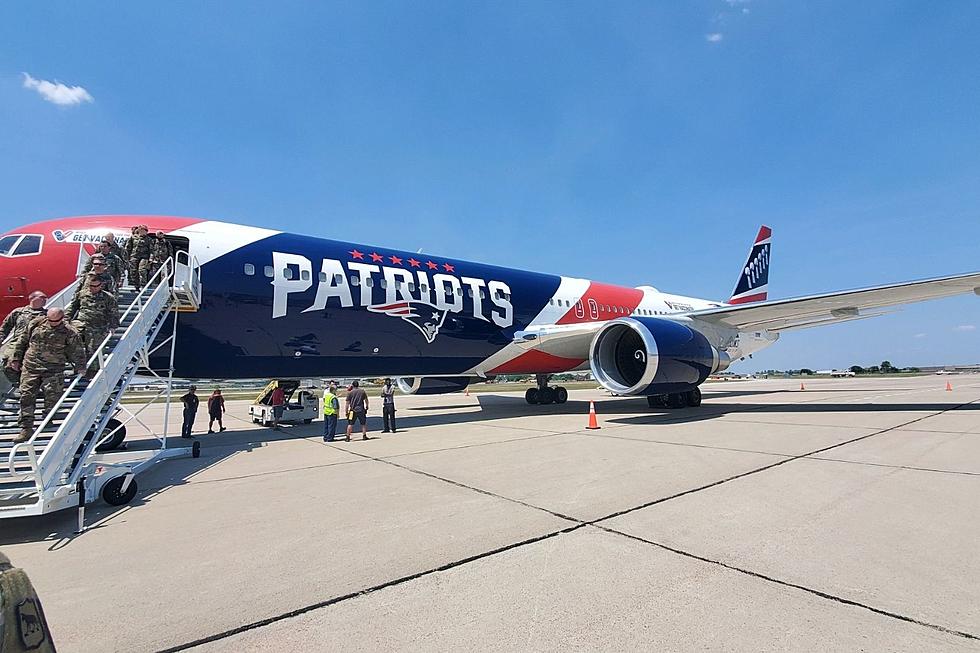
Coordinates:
802 387
593 424
949 387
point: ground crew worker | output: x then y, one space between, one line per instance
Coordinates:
40 356
113 264
141 256
22 624
14 326
160 252
356 408
94 313
331 407
388 406
191 402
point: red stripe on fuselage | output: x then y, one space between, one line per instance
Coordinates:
758 297
537 362
603 295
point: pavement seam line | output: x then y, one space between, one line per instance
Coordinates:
777 581
363 592
907 467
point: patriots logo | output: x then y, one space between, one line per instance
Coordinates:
61 236
423 316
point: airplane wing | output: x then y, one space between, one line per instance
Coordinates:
830 308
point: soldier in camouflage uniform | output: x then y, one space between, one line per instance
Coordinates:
40 356
113 264
114 247
131 262
162 250
98 269
14 326
142 250
94 313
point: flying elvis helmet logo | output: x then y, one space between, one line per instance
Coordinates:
423 316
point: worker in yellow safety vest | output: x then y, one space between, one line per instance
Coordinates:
331 407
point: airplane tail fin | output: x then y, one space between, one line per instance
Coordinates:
753 281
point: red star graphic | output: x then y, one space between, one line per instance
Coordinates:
432 266
447 267
358 255
414 263
395 260
377 257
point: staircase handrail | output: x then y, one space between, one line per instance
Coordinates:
155 288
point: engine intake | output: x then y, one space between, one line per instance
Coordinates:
646 356
432 385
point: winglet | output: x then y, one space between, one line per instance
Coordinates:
753 280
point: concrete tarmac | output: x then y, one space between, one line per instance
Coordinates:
842 517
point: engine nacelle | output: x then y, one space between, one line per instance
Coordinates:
432 385
647 356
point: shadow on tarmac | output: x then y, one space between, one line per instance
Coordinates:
59 528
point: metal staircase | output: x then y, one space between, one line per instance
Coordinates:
62 459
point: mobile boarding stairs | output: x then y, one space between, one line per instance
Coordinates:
68 459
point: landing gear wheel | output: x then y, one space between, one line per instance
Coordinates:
531 396
546 395
693 397
676 400
561 395
656 401
116 438
112 491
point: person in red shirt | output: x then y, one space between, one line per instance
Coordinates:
278 401
216 406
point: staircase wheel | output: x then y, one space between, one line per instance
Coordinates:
561 395
693 397
117 437
112 491
531 396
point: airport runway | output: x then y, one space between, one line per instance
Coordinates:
842 517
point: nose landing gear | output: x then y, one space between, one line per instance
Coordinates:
545 394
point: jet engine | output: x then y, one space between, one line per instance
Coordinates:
652 356
432 385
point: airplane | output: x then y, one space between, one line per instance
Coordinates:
283 305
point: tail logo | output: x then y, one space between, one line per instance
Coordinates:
753 282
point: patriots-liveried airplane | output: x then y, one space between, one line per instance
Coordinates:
281 305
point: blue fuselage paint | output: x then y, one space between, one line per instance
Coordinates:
303 323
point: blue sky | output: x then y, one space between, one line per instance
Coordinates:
634 143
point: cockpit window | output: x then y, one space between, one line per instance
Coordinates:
7 244
28 245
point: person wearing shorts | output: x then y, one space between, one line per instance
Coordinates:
356 409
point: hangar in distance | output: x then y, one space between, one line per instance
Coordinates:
282 305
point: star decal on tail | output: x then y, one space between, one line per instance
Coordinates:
423 316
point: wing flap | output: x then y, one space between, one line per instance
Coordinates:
801 312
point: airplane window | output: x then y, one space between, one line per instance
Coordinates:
354 280
249 269
551 301
424 288
384 283
7 243
482 294
411 286
305 275
287 273
338 279
322 277
459 291
268 271
28 245
369 282
469 291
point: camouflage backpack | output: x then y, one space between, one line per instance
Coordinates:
22 624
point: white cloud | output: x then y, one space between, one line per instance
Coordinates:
714 37
58 93
920 335
965 327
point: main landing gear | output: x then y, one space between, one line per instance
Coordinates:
690 398
545 394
